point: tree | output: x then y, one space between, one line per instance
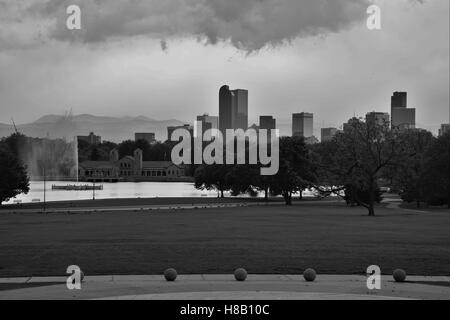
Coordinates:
262 184
95 156
407 176
15 143
144 145
161 151
357 157
436 173
243 179
354 196
126 148
13 175
213 177
86 151
296 171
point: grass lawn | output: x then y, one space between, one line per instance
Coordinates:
273 239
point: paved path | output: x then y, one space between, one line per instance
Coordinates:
152 207
212 287
140 207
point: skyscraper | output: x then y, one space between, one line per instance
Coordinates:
147 136
350 124
233 109
377 118
402 116
399 100
302 125
327 134
91 139
241 107
171 129
444 129
267 122
208 122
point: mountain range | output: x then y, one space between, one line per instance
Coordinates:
109 128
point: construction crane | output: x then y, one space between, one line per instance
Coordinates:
14 124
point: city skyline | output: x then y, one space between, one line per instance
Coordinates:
302 124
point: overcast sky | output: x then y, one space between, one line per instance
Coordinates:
167 58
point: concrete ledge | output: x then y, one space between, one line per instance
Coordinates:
221 277
251 295
224 286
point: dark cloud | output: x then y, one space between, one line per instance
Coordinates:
248 24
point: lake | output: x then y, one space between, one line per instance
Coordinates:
112 190
115 190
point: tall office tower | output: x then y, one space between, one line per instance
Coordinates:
267 122
377 118
241 109
302 125
399 100
233 109
171 129
226 109
327 134
445 128
208 122
91 139
147 136
402 116
348 126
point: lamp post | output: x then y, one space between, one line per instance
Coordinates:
95 175
93 187
45 188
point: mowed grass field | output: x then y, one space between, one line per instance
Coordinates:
330 238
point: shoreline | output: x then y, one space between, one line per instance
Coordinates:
136 202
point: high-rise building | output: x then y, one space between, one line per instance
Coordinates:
91 139
402 116
226 109
233 109
445 128
302 125
327 134
350 124
399 100
171 129
267 122
147 136
377 118
241 107
208 122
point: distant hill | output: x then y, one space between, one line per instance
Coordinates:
109 128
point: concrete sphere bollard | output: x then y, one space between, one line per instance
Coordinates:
399 275
240 274
170 274
309 275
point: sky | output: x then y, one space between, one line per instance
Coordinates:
167 59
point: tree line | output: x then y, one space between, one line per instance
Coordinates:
158 151
353 165
13 173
